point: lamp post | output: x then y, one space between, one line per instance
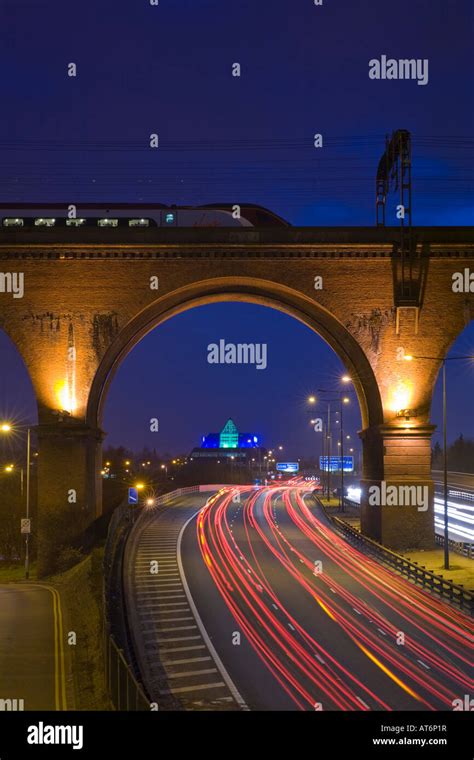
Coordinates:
6 428
27 535
443 360
342 399
329 451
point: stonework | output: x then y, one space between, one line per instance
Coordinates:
86 306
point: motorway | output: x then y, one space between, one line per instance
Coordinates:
278 612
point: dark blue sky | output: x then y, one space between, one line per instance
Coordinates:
167 69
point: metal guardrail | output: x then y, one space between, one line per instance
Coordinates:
460 547
123 688
417 573
125 691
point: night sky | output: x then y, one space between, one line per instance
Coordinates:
167 69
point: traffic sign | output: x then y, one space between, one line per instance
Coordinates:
25 525
335 464
287 466
132 496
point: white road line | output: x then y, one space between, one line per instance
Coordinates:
186 661
424 664
164 583
188 673
198 687
225 675
160 595
185 649
178 638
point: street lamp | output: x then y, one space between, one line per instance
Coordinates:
342 400
5 427
443 360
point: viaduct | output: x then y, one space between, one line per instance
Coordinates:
90 295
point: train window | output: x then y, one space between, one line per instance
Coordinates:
138 222
75 222
42 222
107 222
11 222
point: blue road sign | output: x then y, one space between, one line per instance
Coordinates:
287 466
132 496
335 464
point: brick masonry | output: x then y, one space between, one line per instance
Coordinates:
97 300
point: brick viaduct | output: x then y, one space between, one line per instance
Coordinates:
87 301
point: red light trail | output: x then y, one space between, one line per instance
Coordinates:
355 636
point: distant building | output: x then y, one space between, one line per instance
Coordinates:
229 443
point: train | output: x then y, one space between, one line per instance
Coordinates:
144 215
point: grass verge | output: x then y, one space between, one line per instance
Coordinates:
81 594
16 572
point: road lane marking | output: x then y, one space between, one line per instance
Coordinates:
59 665
185 649
186 661
424 664
178 638
190 673
198 687
220 665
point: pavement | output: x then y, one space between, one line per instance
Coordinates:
32 661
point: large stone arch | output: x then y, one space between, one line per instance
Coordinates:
263 292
